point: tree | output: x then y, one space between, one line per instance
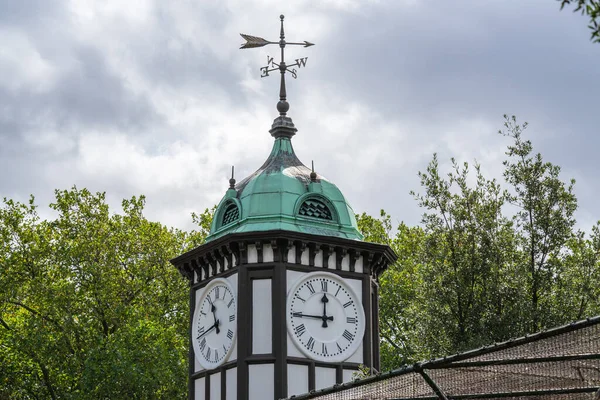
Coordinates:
398 302
90 306
591 8
487 263
468 252
544 221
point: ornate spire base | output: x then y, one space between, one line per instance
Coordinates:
283 127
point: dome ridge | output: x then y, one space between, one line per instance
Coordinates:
281 195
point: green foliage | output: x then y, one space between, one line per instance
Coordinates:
591 8
90 306
375 230
544 221
488 263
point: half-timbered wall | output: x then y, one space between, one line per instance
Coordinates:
265 363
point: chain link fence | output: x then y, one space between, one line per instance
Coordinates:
558 364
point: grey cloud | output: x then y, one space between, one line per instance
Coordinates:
427 66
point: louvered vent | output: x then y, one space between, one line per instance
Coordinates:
232 213
315 209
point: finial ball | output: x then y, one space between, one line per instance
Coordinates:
282 17
283 106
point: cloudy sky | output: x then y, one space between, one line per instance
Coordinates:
154 97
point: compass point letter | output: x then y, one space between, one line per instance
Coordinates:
301 62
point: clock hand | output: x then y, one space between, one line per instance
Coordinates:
324 299
302 315
215 325
214 309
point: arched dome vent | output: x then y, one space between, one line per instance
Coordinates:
315 208
231 214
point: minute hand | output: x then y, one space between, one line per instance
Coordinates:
302 315
215 325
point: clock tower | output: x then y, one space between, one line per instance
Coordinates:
283 294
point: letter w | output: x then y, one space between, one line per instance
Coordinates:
301 62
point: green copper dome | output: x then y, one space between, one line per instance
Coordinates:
284 194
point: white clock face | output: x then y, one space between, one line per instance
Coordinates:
214 325
325 318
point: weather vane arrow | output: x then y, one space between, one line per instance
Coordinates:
282 67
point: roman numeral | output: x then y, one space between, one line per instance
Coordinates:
301 299
324 286
311 344
230 303
232 318
348 304
310 287
216 355
217 292
296 314
336 293
324 349
300 330
202 344
350 320
349 337
203 313
338 346
200 331
208 353
229 334
224 349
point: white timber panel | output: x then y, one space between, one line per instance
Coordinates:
292 254
346 262
358 267
260 382
197 366
252 254
319 258
356 285
324 377
233 279
231 387
331 260
267 253
262 330
348 375
292 277
297 379
304 256
199 389
215 386
292 350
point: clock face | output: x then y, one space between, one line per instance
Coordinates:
325 318
214 324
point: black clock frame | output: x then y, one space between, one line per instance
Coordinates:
207 261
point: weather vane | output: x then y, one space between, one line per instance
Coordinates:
254 41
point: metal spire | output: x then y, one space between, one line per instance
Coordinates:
254 41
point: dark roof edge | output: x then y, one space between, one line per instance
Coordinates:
386 250
441 362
